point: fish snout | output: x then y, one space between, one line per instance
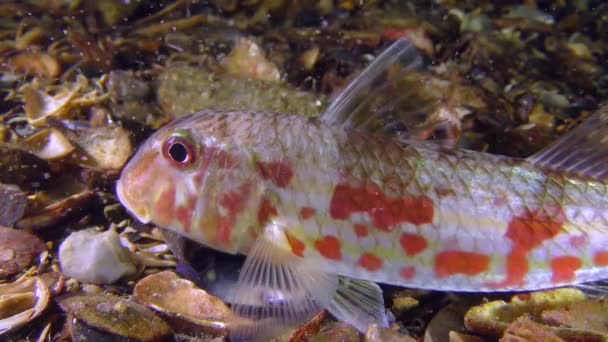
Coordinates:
132 200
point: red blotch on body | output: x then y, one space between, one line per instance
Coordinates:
279 173
164 208
527 232
516 268
412 244
600 258
563 268
329 247
407 272
184 213
199 177
533 228
459 262
306 212
265 211
385 212
360 230
297 246
234 202
370 262
224 230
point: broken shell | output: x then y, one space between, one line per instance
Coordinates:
181 299
12 204
54 281
309 328
309 58
525 329
48 144
94 257
377 333
21 302
246 60
104 315
587 315
448 319
493 318
55 210
109 147
17 250
39 105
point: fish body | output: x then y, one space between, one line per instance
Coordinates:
366 206
314 202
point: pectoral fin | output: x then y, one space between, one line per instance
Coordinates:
278 290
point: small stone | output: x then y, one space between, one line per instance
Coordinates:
94 257
401 304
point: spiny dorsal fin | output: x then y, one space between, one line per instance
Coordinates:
583 151
384 97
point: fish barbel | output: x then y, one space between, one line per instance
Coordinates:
324 208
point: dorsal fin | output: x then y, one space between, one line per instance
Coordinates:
583 151
384 97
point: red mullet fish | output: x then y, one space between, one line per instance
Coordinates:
325 207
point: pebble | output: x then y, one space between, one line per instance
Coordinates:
93 257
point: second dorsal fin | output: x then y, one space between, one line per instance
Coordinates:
582 151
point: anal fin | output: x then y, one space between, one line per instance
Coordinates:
278 290
583 151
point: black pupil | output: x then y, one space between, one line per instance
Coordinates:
178 152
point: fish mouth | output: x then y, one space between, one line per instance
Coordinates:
140 212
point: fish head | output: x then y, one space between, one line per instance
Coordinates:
192 182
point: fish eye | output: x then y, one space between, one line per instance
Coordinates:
179 150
